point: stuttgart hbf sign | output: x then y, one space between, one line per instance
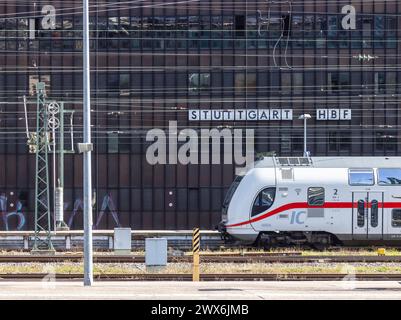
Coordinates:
263 114
190 146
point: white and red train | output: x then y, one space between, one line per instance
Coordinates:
319 201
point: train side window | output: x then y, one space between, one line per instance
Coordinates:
315 196
396 218
361 213
390 176
361 177
374 215
263 201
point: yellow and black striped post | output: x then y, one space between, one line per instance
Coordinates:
195 253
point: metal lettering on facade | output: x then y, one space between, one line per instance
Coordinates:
263 114
333 114
240 115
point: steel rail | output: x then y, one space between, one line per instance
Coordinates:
206 258
205 277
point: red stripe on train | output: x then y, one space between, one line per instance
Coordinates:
305 205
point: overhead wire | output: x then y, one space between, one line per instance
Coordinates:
198 99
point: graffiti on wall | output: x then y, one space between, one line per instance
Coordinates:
107 206
5 206
11 206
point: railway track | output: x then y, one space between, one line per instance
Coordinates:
204 277
206 258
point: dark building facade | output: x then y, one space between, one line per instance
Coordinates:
156 61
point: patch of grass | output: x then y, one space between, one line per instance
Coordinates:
206 268
343 251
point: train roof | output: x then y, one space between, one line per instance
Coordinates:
330 162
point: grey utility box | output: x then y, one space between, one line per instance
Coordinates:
122 241
156 252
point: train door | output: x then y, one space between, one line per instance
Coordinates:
367 215
392 216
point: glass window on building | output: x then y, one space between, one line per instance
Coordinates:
198 81
310 89
297 32
385 141
216 32
240 25
392 28
356 35
113 32
291 82
68 34
339 141
251 82
285 142
22 34
332 28
112 142
113 82
332 82
297 143
11 34
286 83
391 82
245 81
379 27
343 38
136 25
34 79
309 31
125 36
252 32
275 30
367 24
124 143
2 34
57 35
205 32
321 29
391 176
124 84
78 33
286 18
297 82
379 31
344 81
228 26
338 81
380 82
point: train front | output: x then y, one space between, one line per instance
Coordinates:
224 211
236 224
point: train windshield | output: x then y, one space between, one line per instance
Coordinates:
231 192
263 201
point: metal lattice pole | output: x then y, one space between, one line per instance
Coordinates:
42 238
